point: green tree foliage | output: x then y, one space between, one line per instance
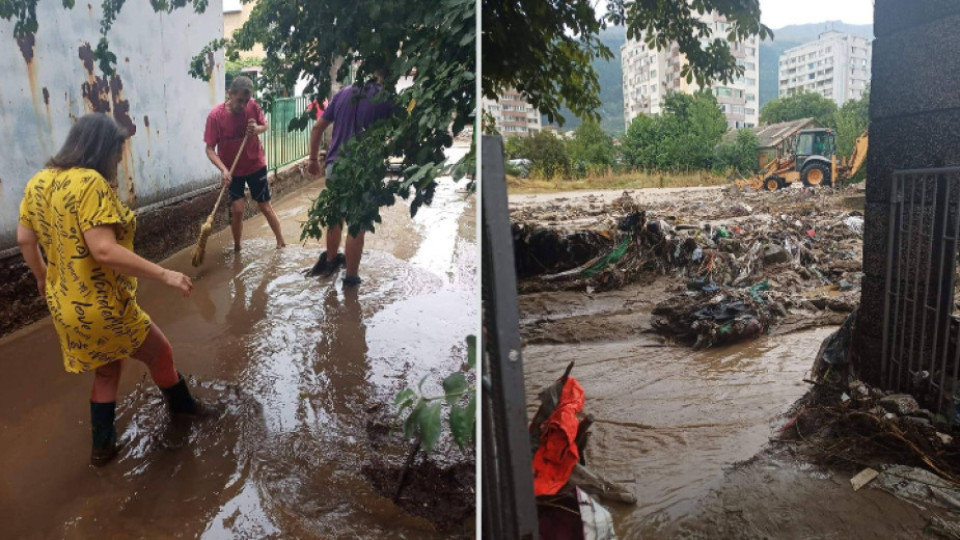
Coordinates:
683 137
513 147
424 419
433 41
740 154
548 154
640 144
591 148
797 106
544 48
851 120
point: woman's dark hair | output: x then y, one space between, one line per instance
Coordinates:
94 140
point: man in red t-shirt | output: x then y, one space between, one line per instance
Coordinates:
226 126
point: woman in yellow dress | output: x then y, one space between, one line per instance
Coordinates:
71 211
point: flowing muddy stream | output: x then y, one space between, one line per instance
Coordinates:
296 363
688 431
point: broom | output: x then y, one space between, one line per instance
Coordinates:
207 228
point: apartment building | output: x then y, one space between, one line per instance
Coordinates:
649 74
836 65
513 114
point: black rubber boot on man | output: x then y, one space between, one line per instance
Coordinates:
325 267
102 416
351 281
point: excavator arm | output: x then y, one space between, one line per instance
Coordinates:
859 154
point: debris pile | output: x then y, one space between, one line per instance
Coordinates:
712 315
804 247
845 422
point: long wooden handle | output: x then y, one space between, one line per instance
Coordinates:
232 167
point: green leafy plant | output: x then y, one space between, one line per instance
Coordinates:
546 48
431 42
424 414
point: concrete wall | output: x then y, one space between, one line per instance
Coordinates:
50 79
914 123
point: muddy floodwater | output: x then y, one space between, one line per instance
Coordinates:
689 432
295 364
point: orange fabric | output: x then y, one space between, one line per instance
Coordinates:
557 454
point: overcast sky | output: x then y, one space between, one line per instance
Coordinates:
780 13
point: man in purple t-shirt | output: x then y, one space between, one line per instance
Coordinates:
350 111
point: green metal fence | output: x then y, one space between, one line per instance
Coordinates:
281 146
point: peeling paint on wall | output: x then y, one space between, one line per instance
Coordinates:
51 78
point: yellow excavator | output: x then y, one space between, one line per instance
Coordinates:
813 161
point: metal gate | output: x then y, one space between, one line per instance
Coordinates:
508 506
920 330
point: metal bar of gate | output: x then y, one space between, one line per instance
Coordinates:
505 398
931 233
923 242
950 258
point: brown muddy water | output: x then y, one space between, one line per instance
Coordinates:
295 362
689 432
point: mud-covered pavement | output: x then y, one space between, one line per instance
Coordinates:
297 364
694 435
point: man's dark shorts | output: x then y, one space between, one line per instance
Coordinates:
259 186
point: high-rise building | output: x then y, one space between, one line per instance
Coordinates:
836 66
648 74
512 114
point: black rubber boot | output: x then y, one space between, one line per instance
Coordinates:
325 267
102 416
180 402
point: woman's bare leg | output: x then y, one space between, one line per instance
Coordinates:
157 354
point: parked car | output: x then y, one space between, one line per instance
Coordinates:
522 166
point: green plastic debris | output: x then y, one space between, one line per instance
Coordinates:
755 290
610 258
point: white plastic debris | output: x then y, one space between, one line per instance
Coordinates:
863 478
855 223
597 521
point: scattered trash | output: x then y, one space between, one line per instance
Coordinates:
804 253
918 486
564 486
597 521
863 478
900 404
855 224
775 255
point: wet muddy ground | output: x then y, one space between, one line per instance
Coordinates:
297 365
692 433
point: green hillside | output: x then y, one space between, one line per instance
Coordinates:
610 76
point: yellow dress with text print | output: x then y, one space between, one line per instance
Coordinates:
94 308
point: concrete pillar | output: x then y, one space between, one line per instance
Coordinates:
914 123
